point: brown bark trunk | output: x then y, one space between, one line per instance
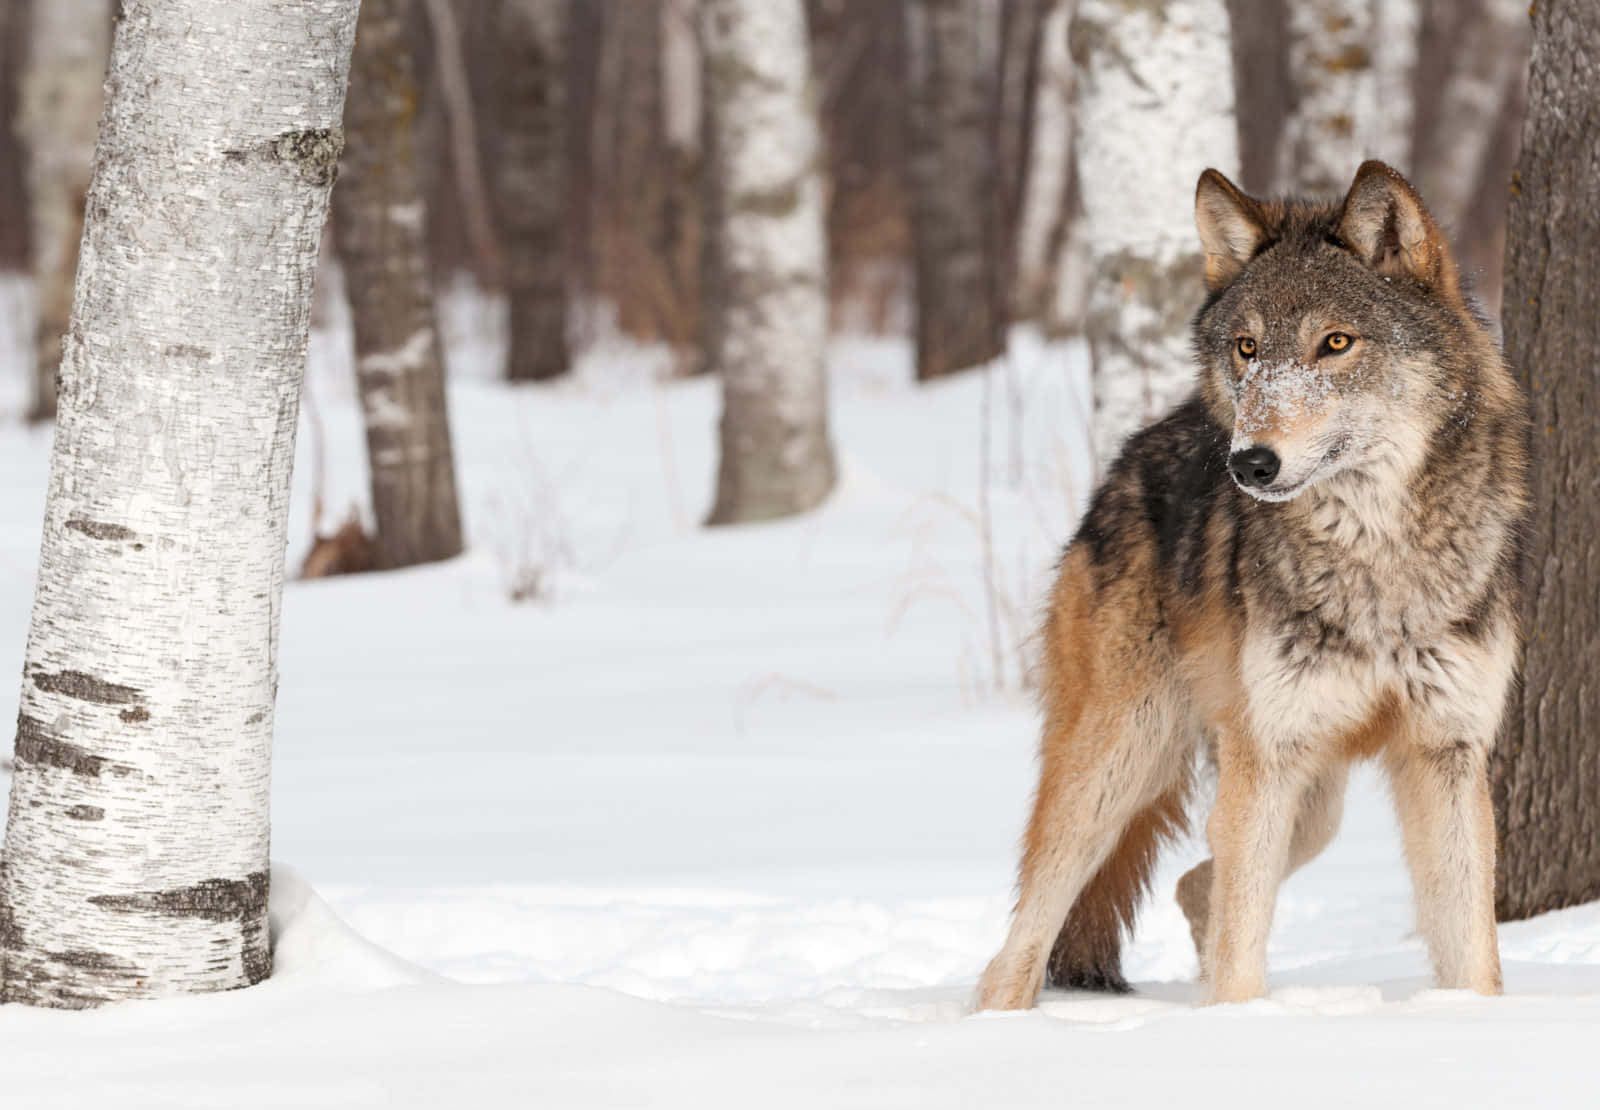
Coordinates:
1547 771
960 319
379 230
528 180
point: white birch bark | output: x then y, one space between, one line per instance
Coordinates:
380 230
1154 108
1395 27
1331 125
136 847
1493 54
58 112
771 311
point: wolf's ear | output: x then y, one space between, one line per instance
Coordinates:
1231 227
1385 224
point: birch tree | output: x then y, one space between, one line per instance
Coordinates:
379 231
1334 89
960 290
1154 108
771 309
136 848
1546 777
1043 217
530 184
1395 27
59 92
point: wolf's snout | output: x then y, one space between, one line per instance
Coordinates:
1254 467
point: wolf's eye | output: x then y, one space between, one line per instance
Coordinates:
1247 347
1335 343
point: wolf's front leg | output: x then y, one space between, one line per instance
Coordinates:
1442 793
1251 828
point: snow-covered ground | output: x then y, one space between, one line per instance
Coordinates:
728 818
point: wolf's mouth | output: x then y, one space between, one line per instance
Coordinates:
1295 489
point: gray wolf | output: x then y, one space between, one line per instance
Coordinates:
1315 559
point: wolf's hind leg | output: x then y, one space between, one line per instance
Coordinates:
1316 822
1095 778
1088 952
1447 817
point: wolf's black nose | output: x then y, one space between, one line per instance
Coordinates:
1256 466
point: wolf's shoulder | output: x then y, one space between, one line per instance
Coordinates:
1163 486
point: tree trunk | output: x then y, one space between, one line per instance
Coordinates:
530 184
772 309
959 282
1334 94
1042 216
1155 107
1019 30
379 229
14 249
136 850
1395 27
1489 59
59 109
1547 778
1259 35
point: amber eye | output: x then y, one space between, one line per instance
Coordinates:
1336 343
1247 347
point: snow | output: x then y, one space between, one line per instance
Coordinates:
728 818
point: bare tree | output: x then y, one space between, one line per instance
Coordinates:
771 309
1546 776
960 286
529 180
1041 214
1334 90
64 65
1155 107
136 849
1487 64
380 234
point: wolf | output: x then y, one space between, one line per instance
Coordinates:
1315 559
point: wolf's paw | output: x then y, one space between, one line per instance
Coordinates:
1008 985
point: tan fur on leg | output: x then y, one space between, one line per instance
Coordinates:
1442 794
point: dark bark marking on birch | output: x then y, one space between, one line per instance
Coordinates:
99 530
242 900
256 718
313 152
34 745
136 715
187 350
86 813
90 960
85 687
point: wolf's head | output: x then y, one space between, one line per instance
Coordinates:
1327 338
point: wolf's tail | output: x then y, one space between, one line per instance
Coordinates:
1088 951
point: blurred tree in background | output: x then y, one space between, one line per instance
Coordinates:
985 161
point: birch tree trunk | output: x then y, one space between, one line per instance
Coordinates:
530 185
1155 107
771 313
136 848
1489 60
1395 27
379 229
59 110
1546 776
959 282
1334 96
